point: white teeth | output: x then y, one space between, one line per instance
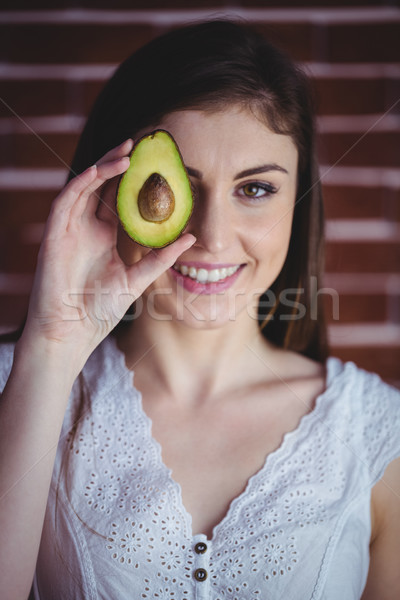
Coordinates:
213 275
203 276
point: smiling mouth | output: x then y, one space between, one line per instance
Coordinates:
202 275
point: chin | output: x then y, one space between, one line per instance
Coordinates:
204 324
208 314
164 302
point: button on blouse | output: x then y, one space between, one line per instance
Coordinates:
201 567
200 548
200 574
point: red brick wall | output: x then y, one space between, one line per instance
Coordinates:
54 59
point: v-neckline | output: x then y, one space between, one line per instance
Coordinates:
299 432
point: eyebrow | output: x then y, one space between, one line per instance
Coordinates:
245 173
261 169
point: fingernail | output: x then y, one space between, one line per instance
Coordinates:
126 141
190 239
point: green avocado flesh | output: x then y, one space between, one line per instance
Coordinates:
154 198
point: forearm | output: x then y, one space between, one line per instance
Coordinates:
32 408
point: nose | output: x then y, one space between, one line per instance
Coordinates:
212 222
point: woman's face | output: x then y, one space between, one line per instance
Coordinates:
244 176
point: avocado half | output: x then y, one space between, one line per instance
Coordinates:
154 197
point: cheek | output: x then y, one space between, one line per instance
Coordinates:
270 237
269 254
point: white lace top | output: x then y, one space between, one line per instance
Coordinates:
300 530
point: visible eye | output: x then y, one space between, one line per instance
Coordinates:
255 189
194 189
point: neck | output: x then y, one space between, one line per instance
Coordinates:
188 363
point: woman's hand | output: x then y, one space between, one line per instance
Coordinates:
82 288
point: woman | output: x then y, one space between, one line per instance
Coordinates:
241 463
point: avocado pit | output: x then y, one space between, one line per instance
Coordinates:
156 200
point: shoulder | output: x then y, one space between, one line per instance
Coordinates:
363 389
372 408
363 413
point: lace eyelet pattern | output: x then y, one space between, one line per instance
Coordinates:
283 531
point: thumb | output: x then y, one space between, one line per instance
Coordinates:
156 262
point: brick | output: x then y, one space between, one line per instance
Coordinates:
15 257
18 42
34 97
364 42
21 207
295 39
39 97
105 4
45 150
346 202
13 309
356 308
89 91
363 257
155 4
310 3
344 96
333 42
376 148
385 360
73 43
160 4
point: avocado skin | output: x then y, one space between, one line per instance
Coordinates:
155 234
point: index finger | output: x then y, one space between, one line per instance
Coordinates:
118 152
